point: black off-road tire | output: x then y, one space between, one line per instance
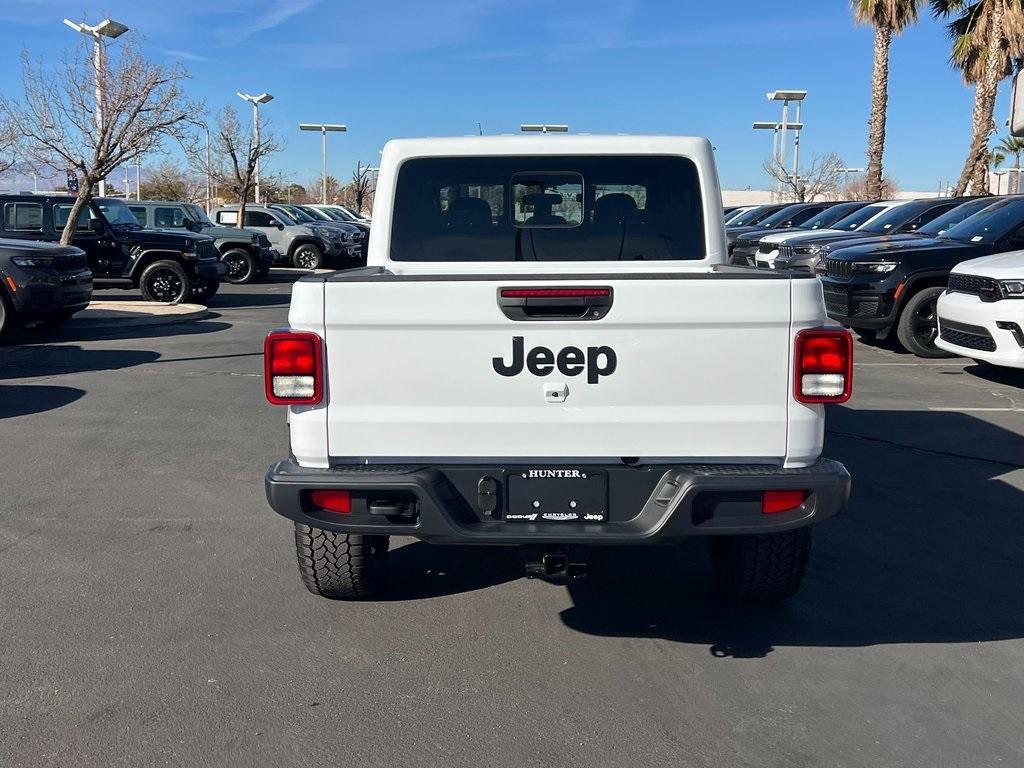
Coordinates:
917 327
241 266
165 281
340 566
766 567
204 291
6 315
308 256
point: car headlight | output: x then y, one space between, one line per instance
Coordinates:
874 267
1011 289
807 250
32 261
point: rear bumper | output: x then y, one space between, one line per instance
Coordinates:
647 504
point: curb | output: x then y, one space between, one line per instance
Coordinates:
134 314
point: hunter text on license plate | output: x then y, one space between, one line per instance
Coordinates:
557 496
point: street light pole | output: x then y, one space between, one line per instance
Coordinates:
106 28
543 128
323 128
262 98
785 97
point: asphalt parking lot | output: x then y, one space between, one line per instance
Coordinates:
151 611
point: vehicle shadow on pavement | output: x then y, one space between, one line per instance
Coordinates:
249 300
18 400
928 551
420 571
1011 377
53 360
69 332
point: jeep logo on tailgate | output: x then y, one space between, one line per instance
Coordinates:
570 361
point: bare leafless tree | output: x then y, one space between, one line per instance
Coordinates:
170 180
359 194
857 189
55 120
821 179
235 156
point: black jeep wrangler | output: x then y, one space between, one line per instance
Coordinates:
165 266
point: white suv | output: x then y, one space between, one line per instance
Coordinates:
981 314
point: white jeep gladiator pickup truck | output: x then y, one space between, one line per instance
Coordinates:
547 349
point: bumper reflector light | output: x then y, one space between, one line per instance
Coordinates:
332 501
774 502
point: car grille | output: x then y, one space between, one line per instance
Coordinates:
205 249
975 338
69 262
765 247
836 302
785 252
838 267
865 307
985 287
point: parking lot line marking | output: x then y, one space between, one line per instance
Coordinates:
965 410
921 365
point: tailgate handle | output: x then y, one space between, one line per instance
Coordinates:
579 303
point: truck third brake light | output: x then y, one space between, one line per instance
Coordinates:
823 366
293 368
553 293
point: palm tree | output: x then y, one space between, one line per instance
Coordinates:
987 36
888 17
1011 145
996 159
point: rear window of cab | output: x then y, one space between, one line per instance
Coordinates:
548 208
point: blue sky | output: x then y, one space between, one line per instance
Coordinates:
394 68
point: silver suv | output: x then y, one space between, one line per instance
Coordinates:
304 245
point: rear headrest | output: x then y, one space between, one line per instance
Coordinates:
469 211
613 208
542 199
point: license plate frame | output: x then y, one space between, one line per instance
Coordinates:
555 496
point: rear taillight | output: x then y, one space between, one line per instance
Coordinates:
293 367
823 366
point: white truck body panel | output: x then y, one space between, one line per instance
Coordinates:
704 368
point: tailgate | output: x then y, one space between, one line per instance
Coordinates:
678 367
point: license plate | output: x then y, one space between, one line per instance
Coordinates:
557 496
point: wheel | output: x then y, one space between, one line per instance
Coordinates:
308 256
917 326
341 566
241 267
761 567
204 291
6 315
166 282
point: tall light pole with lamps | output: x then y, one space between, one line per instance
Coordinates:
323 128
785 97
775 127
262 98
106 28
543 128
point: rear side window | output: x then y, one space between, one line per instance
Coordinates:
23 217
227 217
168 218
258 219
558 208
139 212
61 211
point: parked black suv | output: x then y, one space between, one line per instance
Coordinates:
41 283
165 266
877 287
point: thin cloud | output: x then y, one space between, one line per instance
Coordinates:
183 55
277 14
